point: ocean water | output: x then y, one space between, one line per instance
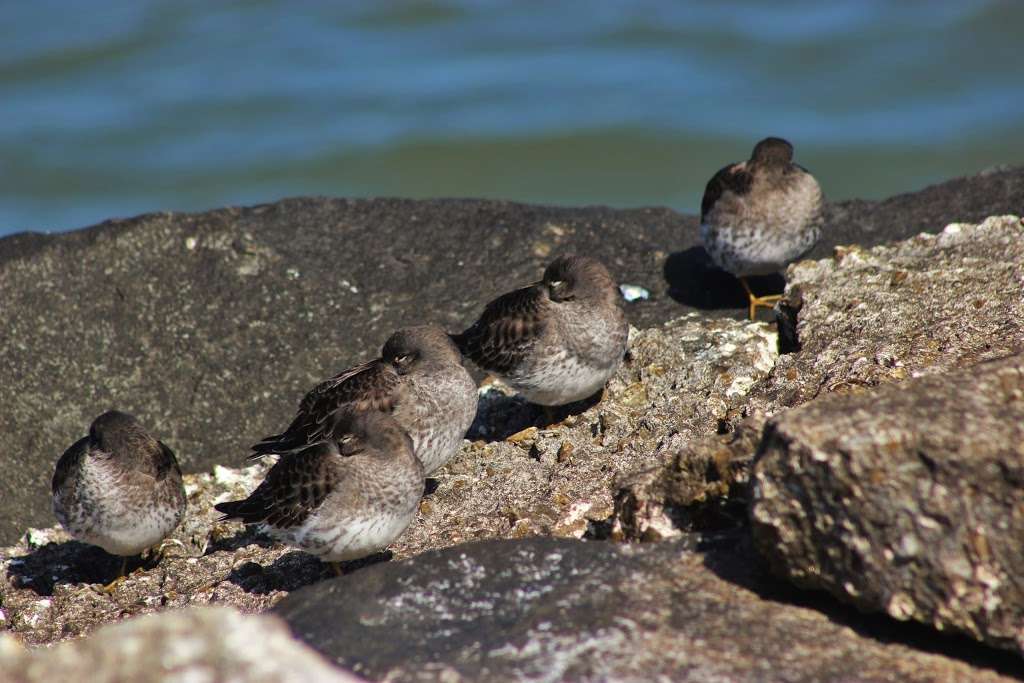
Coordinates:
116 107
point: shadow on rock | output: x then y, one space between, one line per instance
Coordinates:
292 571
695 281
70 562
733 558
499 415
248 535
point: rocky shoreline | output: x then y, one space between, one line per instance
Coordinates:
669 531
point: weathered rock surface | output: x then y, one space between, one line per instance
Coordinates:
209 327
212 644
930 304
927 305
680 381
908 499
558 609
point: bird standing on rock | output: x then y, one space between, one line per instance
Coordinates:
419 379
118 488
759 215
556 341
343 498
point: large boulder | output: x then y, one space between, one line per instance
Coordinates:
214 644
209 327
559 609
908 499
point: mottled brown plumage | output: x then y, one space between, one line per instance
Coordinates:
342 498
419 379
118 488
557 340
759 215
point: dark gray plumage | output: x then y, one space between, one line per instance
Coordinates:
759 215
419 380
118 488
556 341
342 498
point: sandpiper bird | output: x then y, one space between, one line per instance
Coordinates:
759 215
118 488
342 498
556 341
419 379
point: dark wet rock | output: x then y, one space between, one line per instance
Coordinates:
209 327
200 644
559 609
908 499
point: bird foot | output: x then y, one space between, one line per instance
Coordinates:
767 301
112 586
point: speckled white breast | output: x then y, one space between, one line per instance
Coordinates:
338 541
437 416
560 379
104 515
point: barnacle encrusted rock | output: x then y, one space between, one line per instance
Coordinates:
927 305
908 499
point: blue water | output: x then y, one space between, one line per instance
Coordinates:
111 108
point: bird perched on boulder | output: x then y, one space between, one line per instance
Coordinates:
419 379
118 488
759 215
556 341
343 498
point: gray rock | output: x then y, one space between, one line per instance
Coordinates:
209 327
558 609
213 644
907 499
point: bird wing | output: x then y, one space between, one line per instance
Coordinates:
67 466
370 386
506 331
165 462
732 178
294 487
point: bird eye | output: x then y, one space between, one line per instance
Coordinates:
403 360
349 444
560 290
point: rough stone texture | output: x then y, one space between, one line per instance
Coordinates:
514 480
558 609
908 499
926 305
209 327
211 644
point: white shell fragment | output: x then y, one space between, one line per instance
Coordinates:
634 293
